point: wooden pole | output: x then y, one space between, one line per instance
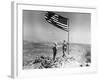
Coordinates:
68 36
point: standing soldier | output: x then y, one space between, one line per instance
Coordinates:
54 51
64 48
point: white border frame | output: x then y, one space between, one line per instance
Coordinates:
16 69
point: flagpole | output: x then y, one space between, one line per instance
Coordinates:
68 36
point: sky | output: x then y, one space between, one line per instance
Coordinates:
37 29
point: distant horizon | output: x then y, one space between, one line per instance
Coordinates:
53 42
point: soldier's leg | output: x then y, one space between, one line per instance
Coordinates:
63 53
54 55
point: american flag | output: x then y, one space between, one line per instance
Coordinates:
57 20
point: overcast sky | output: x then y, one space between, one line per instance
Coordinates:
36 28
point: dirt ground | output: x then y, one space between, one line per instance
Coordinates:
39 56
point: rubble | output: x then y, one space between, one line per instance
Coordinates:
41 62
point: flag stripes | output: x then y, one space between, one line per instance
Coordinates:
57 20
